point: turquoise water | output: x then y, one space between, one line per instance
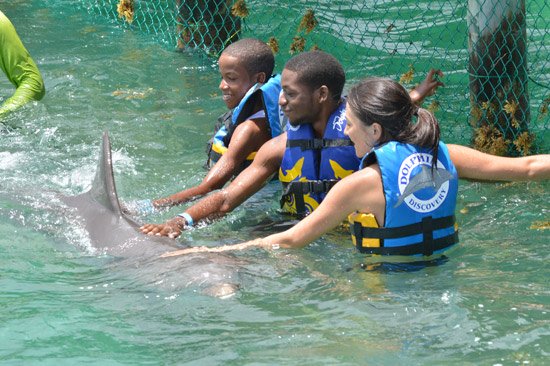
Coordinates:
64 303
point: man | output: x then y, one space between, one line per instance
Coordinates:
311 155
19 67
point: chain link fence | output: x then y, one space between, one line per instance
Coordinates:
495 54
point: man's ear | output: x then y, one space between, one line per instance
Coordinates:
324 93
261 77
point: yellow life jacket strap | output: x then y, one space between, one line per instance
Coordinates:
358 221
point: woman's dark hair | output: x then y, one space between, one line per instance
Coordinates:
387 103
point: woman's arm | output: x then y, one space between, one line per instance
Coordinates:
473 164
359 191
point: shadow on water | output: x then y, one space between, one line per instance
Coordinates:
395 267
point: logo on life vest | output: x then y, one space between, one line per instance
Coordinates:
339 120
293 173
339 172
422 188
294 128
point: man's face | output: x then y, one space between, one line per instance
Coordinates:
297 100
235 80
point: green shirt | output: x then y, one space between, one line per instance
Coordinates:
19 67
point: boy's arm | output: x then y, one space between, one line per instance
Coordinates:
248 137
267 162
473 164
19 67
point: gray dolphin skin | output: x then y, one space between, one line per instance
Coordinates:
113 232
423 180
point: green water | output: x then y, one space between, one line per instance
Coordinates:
63 303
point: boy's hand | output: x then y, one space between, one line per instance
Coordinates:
427 87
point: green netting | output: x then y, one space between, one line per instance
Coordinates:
495 53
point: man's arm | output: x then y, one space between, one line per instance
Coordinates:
19 67
267 162
427 87
475 165
248 137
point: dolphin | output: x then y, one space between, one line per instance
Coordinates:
110 229
426 178
113 232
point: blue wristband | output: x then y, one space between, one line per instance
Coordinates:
187 217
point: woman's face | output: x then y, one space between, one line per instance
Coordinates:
364 137
235 80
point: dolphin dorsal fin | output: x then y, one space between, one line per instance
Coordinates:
103 187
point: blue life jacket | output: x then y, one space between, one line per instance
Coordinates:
420 202
269 94
311 166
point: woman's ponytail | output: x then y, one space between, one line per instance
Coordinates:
425 132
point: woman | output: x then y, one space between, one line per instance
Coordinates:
402 201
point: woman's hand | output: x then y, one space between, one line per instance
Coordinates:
260 243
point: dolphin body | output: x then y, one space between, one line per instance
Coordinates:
113 232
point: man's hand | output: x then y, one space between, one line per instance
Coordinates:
171 228
427 87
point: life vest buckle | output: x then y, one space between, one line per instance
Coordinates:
317 186
318 144
313 144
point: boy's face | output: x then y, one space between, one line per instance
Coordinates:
235 80
298 101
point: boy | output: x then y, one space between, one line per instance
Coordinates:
251 93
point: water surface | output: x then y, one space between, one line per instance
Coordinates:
64 303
